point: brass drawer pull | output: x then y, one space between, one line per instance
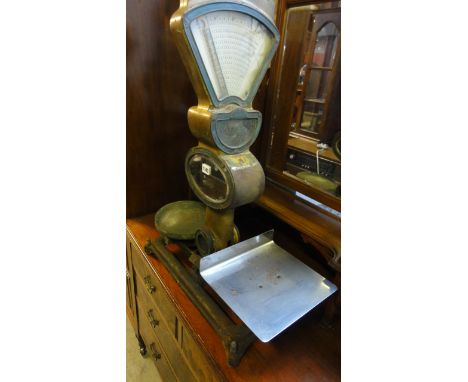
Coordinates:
153 321
154 353
150 287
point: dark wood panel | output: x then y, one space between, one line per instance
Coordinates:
158 96
316 224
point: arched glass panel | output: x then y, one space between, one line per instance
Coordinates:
325 46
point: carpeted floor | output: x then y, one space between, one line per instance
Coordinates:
139 369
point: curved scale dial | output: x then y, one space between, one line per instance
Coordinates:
233 48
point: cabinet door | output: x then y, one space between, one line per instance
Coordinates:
320 69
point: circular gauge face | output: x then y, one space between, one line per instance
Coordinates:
208 178
233 47
224 181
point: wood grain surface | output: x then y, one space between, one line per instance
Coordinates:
159 94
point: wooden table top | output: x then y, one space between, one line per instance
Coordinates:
306 351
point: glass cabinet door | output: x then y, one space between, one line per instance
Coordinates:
317 80
305 118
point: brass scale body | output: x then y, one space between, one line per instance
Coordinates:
244 177
247 180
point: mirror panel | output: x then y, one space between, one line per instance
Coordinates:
306 116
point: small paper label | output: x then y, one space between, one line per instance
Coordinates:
206 169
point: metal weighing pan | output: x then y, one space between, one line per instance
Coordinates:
268 288
180 220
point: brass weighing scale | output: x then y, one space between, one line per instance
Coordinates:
226 47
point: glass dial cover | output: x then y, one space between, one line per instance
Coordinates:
266 6
208 178
234 130
233 47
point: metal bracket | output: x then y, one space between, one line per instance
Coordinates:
236 338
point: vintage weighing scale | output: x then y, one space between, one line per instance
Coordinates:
227 47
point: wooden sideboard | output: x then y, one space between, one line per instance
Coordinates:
185 347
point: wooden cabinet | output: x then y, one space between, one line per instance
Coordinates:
162 328
184 347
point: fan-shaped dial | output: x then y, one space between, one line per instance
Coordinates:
233 48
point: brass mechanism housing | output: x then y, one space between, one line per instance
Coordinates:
221 170
225 133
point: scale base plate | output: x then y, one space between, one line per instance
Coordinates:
268 288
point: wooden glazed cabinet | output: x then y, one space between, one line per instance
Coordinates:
319 227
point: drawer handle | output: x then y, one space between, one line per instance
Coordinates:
128 275
154 353
153 321
150 287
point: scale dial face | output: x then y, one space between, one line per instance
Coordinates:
235 135
209 178
233 48
235 130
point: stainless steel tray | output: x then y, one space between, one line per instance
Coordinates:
268 288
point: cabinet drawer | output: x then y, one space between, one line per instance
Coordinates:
156 352
158 322
150 290
150 284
